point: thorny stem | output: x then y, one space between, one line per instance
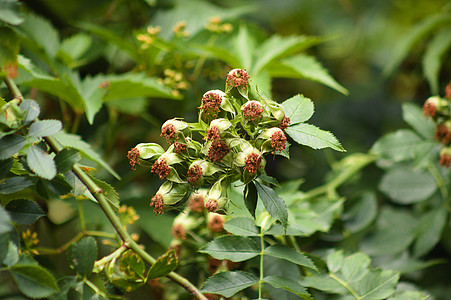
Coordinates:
103 202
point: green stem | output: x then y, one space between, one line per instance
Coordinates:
103 202
76 122
439 179
200 63
81 215
262 254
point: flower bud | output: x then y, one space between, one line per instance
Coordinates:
147 151
215 222
276 110
433 105
252 110
238 78
212 101
200 168
284 123
174 129
251 161
216 205
443 133
183 223
217 150
272 139
219 128
163 166
169 193
445 157
196 200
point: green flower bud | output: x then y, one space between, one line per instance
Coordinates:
174 129
250 161
144 151
239 79
219 128
270 140
277 110
183 223
252 110
199 169
212 102
169 194
445 157
435 105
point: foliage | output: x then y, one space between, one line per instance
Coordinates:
272 219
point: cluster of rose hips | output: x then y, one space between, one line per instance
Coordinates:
439 110
227 144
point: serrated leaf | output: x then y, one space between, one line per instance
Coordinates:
66 158
241 226
244 45
82 255
31 109
250 198
10 47
5 221
92 95
228 284
45 128
409 295
108 191
24 211
41 163
9 12
305 66
275 205
76 45
397 146
378 284
15 184
361 214
290 254
10 145
75 141
413 115
430 229
234 248
132 265
298 108
12 257
5 166
290 285
4 244
312 136
164 265
407 186
34 281
420 31
433 56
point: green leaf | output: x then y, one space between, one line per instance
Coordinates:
10 145
75 141
277 47
132 265
10 47
41 163
24 211
34 26
234 248
290 254
5 166
312 136
15 184
241 226
275 205
66 158
306 67
378 284
31 109
361 214
164 265
4 244
407 186
394 227
250 198
409 295
5 221
45 128
420 31
34 281
244 45
228 284
108 191
413 115
397 146
290 285
436 50
430 228
12 257
298 108
76 45
82 255
9 12
134 85
92 95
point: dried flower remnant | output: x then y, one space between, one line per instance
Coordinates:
194 174
443 134
215 222
161 168
278 140
211 205
212 133
178 232
157 203
133 157
196 203
179 147
168 132
211 102
253 162
284 123
217 151
238 78
252 110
